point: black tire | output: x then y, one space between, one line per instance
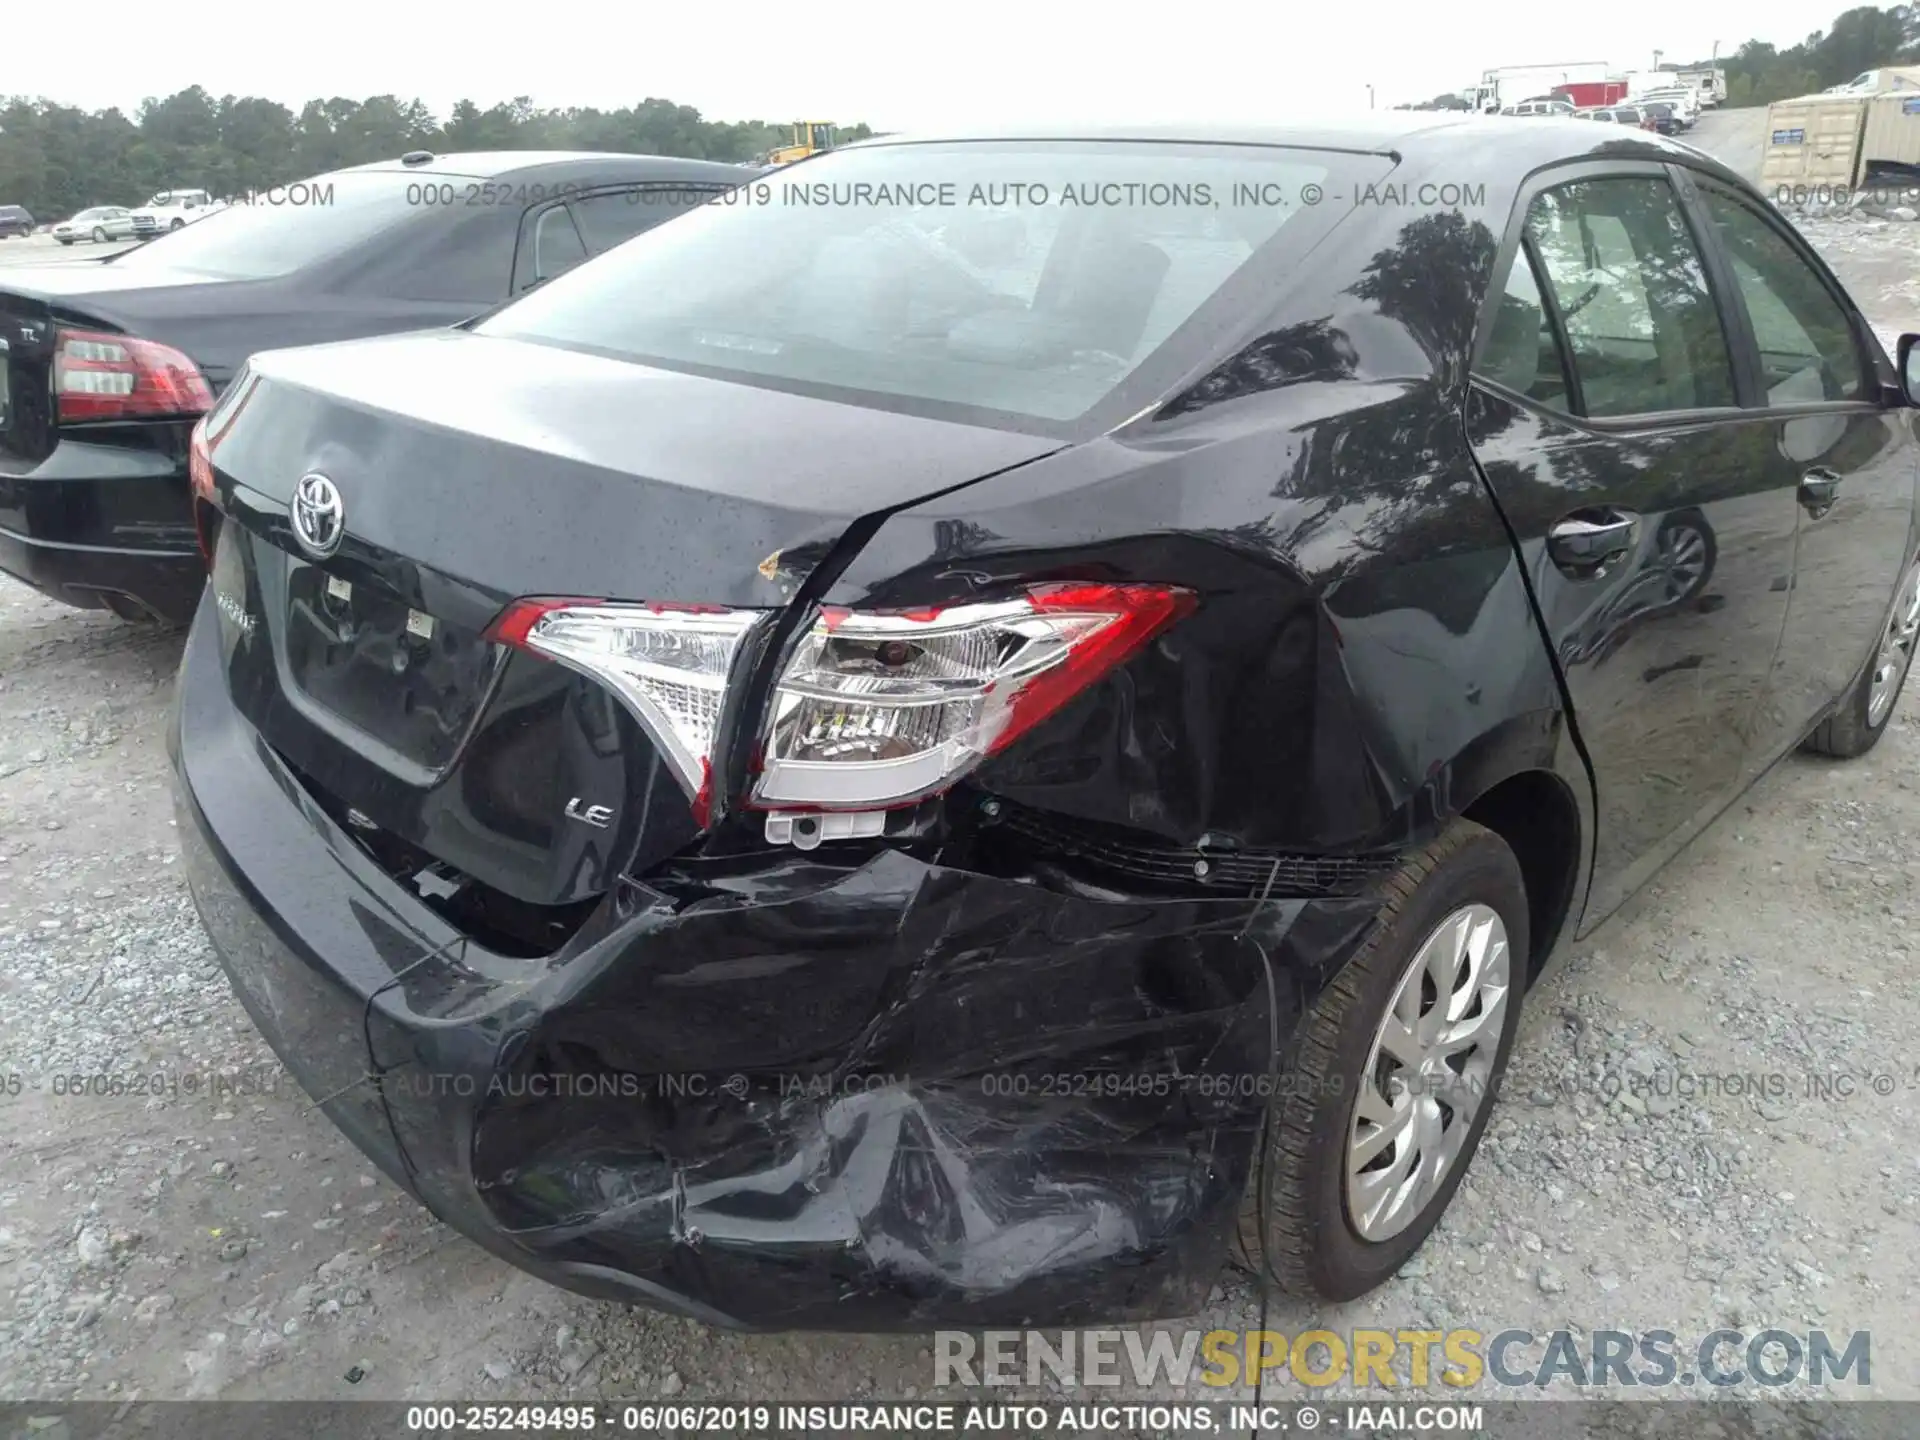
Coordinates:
1851 731
65 239
1293 1226
177 224
99 235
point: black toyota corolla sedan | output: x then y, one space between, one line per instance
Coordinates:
105 365
998 720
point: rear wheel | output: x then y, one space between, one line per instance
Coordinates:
1856 726
1391 1075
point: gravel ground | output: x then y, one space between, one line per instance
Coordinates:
228 1242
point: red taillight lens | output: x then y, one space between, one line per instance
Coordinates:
101 376
880 709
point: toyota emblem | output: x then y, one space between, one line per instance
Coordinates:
319 518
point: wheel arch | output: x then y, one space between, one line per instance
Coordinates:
1524 780
1536 813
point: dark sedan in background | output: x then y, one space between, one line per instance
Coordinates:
821 769
105 365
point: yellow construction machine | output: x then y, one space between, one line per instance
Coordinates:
805 137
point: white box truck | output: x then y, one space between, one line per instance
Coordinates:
1510 84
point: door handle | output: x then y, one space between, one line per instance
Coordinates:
1818 487
1588 540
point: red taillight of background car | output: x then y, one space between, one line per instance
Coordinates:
873 709
101 376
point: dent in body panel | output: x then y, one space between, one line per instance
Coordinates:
904 1093
1363 621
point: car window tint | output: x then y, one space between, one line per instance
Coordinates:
317 220
1521 352
606 220
558 245
1632 294
1807 349
552 247
1025 277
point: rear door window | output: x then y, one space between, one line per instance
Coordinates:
550 245
1807 347
1521 352
614 216
1630 291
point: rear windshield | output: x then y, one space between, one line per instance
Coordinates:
286 229
1029 279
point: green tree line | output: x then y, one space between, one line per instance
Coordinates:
1861 39
1758 73
56 159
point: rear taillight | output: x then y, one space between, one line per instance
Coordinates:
876 710
669 664
200 462
200 479
102 376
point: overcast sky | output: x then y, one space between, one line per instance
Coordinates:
896 65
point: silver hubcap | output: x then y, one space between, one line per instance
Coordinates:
1428 1073
1896 649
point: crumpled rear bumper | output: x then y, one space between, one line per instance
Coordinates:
782 1092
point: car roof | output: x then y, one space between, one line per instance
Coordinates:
1419 137
494 164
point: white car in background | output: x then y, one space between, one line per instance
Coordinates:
101 223
1684 100
173 210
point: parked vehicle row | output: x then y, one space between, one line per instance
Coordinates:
1593 84
881 766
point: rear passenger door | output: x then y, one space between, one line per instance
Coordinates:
1836 442
1605 414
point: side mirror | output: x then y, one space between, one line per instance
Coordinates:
1910 367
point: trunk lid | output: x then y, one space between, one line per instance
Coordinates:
472 471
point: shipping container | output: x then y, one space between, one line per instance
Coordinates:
1891 136
1590 93
1812 145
